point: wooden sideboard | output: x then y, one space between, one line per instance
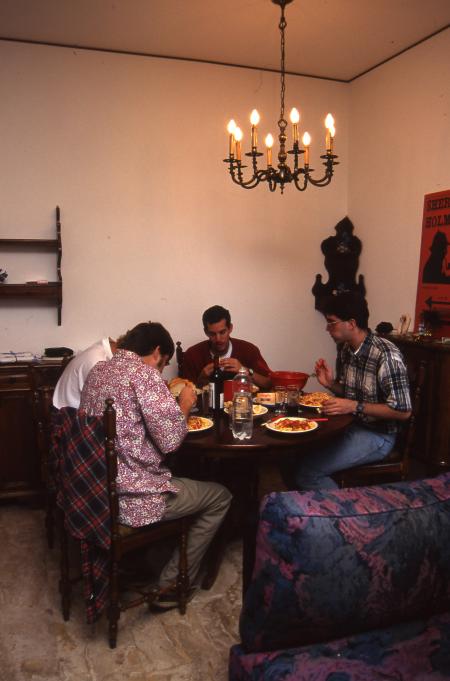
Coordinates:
433 426
20 461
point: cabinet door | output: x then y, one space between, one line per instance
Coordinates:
19 460
440 432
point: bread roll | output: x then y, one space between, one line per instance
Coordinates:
176 385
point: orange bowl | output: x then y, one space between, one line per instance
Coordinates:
285 378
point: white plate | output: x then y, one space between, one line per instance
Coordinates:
206 424
271 425
316 405
261 410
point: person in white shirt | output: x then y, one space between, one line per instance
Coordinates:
68 389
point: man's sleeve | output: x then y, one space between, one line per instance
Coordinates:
393 377
257 362
163 417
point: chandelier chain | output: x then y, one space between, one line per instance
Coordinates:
282 25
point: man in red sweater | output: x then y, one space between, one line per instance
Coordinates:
234 353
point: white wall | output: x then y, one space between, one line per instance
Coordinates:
153 228
399 150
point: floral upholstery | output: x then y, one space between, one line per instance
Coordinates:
335 564
416 650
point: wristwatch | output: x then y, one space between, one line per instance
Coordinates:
359 409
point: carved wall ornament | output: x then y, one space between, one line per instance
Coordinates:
341 262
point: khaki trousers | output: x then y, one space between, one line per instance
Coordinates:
210 501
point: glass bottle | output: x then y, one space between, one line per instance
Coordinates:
242 409
242 416
216 388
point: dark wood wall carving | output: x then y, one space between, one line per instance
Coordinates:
341 262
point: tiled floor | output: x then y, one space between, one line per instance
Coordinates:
36 644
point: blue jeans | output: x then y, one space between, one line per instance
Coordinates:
356 446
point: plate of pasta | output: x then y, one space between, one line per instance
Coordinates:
316 399
196 424
291 425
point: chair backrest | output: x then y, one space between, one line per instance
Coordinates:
407 436
179 355
43 422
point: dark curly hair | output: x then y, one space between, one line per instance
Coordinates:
345 306
144 338
215 314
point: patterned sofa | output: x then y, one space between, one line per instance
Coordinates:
350 585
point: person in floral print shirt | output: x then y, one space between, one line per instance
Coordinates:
150 425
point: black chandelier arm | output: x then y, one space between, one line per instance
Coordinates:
297 175
238 177
249 184
326 179
329 163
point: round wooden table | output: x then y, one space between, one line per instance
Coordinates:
218 441
210 454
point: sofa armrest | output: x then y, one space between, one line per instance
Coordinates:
333 563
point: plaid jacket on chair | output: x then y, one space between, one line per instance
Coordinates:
78 458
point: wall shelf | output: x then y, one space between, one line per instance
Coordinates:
50 292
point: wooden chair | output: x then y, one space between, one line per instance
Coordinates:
112 540
44 409
395 466
179 355
44 406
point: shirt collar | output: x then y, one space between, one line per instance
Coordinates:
363 350
228 352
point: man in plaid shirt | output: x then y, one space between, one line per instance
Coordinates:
371 382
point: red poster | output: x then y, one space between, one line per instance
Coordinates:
433 287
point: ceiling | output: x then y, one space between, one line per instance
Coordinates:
337 39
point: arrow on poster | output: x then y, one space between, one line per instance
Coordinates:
430 302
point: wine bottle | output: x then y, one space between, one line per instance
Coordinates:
216 388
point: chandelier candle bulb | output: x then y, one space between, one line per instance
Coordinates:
231 127
306 139
238 138
254 120
332 134
329 124
269 145
295 117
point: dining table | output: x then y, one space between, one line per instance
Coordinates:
214 454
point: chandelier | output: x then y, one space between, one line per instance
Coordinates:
300 175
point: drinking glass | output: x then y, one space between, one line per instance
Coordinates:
205 400
280 399
292 399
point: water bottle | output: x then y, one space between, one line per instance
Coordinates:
242 416
242 383
242 410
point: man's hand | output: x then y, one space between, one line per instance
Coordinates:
186 399
324 374
338 405
230 364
